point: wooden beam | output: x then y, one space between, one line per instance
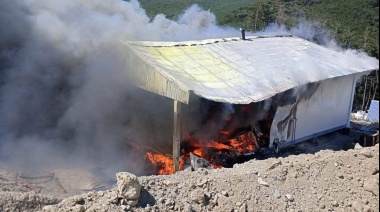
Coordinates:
176 135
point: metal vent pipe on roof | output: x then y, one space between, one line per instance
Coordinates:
242 33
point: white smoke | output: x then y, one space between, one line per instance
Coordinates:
64 95
313 31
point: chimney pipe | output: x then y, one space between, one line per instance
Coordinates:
242 32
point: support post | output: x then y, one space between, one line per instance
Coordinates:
176 134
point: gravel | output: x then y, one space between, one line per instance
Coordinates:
309 182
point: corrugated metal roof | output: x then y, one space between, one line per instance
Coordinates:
233 70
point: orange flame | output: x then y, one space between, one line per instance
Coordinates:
214 151
209 144
245 143
165 164
241 145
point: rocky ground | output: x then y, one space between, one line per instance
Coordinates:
320 179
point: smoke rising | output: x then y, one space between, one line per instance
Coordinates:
314 32
64 96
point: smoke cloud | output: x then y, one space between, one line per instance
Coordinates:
314 32
64 95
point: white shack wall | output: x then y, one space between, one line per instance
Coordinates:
327 110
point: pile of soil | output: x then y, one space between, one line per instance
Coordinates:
326 180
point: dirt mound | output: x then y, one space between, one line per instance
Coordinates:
306 177
30 201
324 181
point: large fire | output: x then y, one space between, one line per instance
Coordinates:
210 151
229 144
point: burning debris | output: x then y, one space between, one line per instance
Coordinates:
197 162
192 162
220 140
163 163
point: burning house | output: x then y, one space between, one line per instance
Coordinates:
278 91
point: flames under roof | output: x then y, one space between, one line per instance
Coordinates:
233 70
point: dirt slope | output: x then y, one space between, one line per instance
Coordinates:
323 181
